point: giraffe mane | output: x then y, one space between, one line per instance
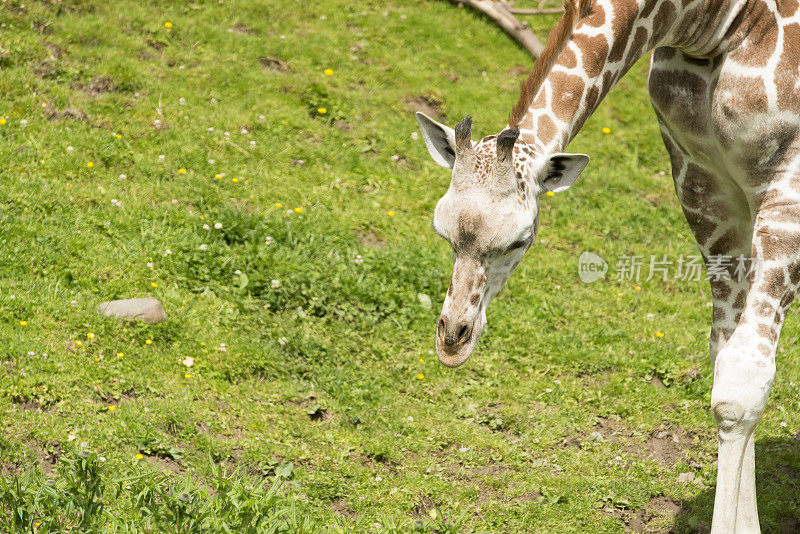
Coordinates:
556 42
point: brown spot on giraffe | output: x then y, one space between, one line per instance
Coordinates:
637 46
662 23
475 299
773 283
741 95
622 24
778 243
761 38
787 8
546 129
596 16
567 59
786 70
567 100
593 53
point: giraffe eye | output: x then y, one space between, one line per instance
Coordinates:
518 244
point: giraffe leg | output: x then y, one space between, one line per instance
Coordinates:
745 366
719 215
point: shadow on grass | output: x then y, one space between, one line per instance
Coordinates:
777 487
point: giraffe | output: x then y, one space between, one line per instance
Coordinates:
725 86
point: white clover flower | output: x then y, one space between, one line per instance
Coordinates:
211 162
275 284
149 264
203 246
244 131
218 226
157 123
70 149
23 123
31 353
182 101
161 158
282 340
252 144
211 129
206 227
237 272
167 252
227 134
73 303
122 176
71 437
358 259
188 362
414 136
262 118
268 240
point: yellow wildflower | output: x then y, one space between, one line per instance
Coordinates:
153 284
637 288
390 213
118 136
328 72
218 176
148 341
79 342
420 376
322 111
298 210
234 180
90 335
139 456
120 354
23 323
112 408
550 194
278 205
659 334
2 121
168 25
181 171
90 164
606 130
421 360
97 358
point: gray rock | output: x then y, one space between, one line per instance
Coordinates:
148 310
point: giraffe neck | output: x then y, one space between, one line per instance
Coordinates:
609 38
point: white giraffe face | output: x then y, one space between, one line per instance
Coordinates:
489 237
490 217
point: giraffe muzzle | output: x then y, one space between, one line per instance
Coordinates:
455 340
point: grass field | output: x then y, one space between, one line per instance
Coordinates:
314 403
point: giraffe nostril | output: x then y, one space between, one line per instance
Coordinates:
463 333
440 329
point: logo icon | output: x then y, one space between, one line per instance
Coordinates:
591 267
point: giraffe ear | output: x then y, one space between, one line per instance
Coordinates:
440 140
562 171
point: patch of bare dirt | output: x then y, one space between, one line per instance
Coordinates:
343 507
241 27
98 85
47 454
656 517
53 113
32 405
666 445
167 465
424 505
44 70
370 239
273 64
55 50
429 104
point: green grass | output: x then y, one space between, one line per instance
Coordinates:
313 415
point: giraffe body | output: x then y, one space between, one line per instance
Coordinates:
725 85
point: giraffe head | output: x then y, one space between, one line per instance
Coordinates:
490 217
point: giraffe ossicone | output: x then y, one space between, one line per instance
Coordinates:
725 85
